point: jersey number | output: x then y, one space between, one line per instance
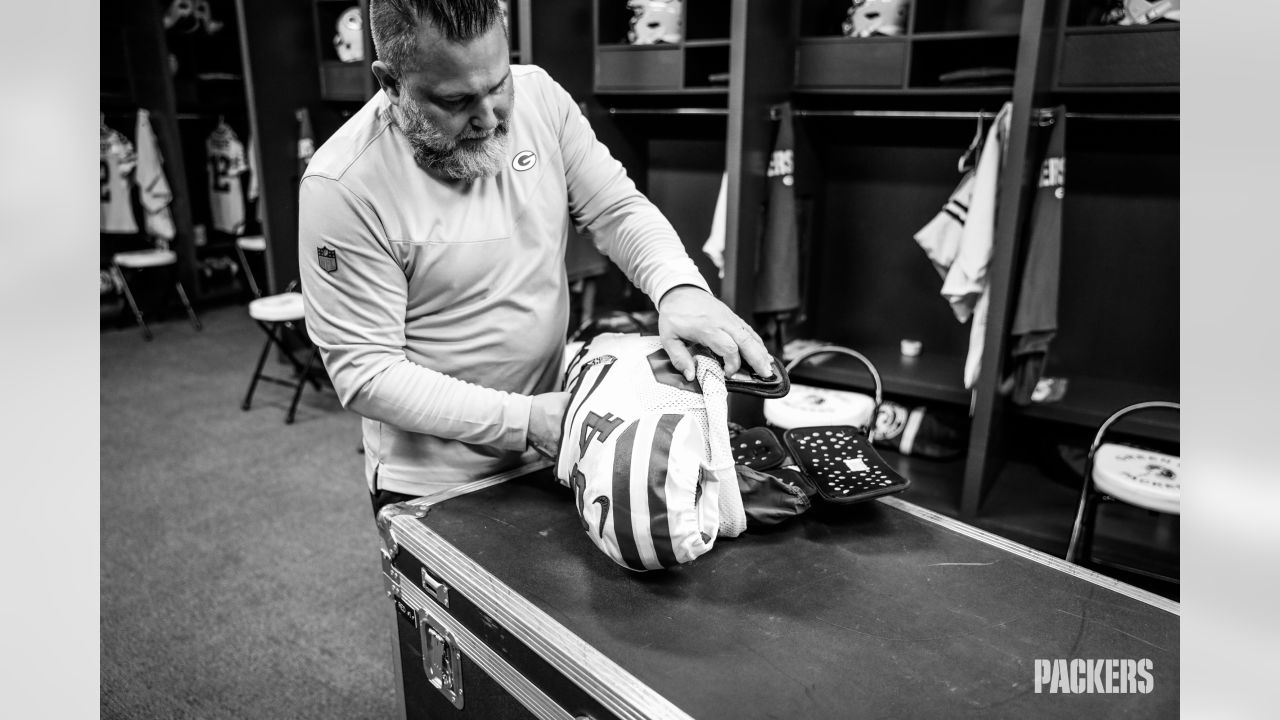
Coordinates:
220 165
598 427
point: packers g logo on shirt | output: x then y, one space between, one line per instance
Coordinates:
524 160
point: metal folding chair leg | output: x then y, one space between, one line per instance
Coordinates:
133 304
304 372
248 273
302 378
137 311
191 313
1080 549
257 370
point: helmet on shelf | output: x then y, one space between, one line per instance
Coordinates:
876 17
655 21
1141 12
349 42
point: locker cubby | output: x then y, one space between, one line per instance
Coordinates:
1117 340
613 19
706 20
934 60
875 182
1093 56
973 16
939 38
822 18
699 63
706 66
341 81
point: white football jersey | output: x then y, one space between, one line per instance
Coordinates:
226 163
647 453
116 163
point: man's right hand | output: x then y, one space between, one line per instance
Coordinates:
546 417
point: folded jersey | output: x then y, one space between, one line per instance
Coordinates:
647 453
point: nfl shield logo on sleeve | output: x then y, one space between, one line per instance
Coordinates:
328 259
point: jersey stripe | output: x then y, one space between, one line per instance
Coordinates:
573 396
659 454
622 529
576 401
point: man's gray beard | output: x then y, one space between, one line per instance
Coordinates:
466 159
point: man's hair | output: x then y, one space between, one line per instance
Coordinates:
394 25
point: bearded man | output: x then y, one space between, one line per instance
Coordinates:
432 235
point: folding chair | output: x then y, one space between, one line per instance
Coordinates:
276 315
144 260
1135 476
254 244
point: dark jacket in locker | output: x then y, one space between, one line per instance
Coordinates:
1036 319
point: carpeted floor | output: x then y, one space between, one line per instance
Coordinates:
239 560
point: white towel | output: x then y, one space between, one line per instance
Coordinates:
153 188
714 246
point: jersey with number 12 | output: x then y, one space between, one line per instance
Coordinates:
226 163
116 160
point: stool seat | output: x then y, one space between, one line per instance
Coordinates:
255 243
807 406
145 258
1139 477
276 315
277 308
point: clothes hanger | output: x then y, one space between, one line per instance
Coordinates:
969 160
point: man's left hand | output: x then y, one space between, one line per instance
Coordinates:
690 314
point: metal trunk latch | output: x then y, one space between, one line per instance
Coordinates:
442 660
436 589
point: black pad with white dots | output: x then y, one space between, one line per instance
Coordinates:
758 449
840 461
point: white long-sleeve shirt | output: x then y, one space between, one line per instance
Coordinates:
441 308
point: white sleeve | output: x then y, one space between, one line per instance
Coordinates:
604 202
355 315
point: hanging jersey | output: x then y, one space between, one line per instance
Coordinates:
1035 321
940 238
226 163
778 267
116 163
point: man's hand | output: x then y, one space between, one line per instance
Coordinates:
546 416
691 314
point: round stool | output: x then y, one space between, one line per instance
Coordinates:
808 406
1144 478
